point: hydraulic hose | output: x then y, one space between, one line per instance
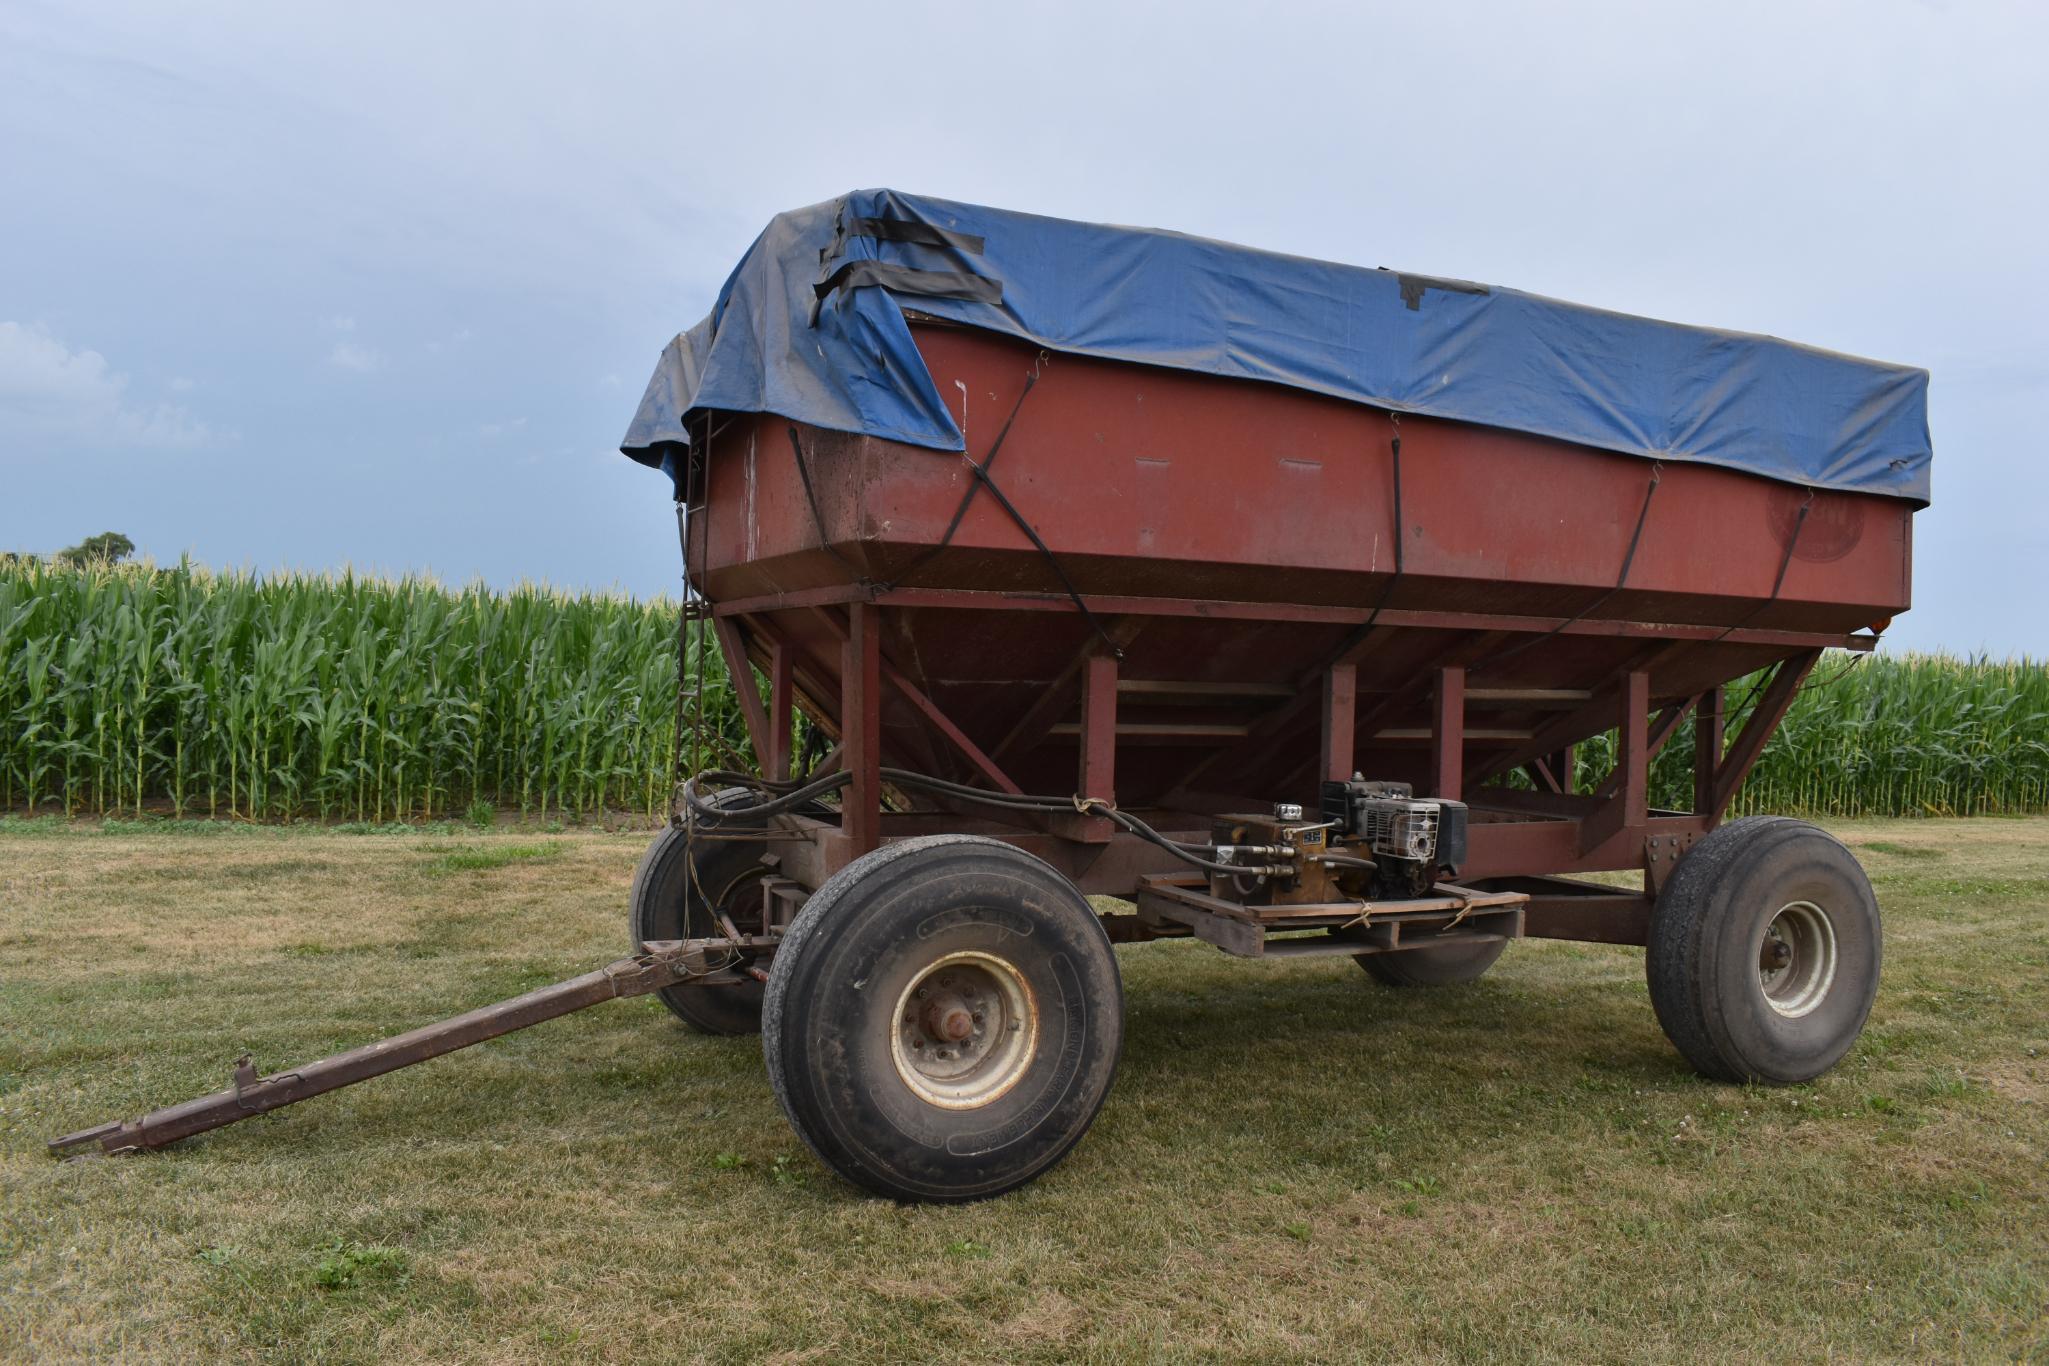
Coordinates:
787 796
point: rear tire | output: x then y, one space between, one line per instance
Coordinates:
673 893
1764 952
943 1020
1441 965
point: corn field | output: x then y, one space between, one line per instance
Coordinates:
133 689
1879 735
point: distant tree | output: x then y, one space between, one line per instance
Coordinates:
109 547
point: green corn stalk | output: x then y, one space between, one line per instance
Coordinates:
330 695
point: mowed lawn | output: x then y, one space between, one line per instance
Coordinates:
1295 1163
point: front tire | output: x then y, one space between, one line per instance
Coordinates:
1764 952
677 884
943 1020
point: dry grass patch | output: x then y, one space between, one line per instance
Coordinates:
1294 1164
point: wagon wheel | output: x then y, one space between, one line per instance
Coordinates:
674 896
943 1020
1764 952
1435 965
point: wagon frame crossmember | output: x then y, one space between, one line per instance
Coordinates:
1548 826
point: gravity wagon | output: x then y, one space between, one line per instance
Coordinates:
1268 596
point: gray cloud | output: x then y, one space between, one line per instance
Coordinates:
50 391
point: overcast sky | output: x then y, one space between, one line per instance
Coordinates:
311 285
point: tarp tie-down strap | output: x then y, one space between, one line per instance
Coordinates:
982 477
927 555
818 517
1365 628
1785 563
1628 558
1394 446
981 472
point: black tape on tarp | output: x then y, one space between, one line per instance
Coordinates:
935 284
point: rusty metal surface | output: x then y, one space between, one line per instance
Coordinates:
1157 483
1562 908
665 963
1248 625
1452 913
1251 527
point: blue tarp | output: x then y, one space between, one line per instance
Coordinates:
810 326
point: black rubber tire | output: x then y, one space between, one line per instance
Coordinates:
859 945
1707 936
667 902
1443 965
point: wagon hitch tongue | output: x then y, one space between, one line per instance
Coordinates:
664 963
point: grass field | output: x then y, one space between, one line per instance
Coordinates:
1294 1162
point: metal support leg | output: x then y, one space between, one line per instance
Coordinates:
861 728
1340 711
1098 776
1764 721
745 691
1707 752
1448 735
1633 749
1628 808
781 687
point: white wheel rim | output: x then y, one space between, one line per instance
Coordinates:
1796 959
964 1030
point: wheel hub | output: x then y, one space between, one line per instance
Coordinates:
964 1031
1796 962
947 1019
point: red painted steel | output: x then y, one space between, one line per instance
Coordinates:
1340 712
1448 735
1707 748
781 687
861 728
1099 727
755 717
1235 543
